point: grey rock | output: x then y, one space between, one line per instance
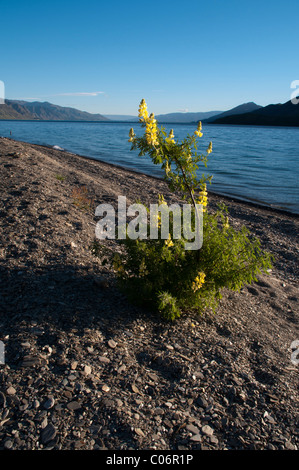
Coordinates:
49 403
48 434
202 402
192 428
8 444
30 361
73 405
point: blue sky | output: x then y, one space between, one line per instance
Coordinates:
104 57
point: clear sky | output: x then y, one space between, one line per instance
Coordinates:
192 55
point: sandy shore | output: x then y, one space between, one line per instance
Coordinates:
84 369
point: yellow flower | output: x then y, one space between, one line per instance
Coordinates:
151 130
170 138
203 200
131 135
169 242
209 148
142 112
198 281
162 200
198 130
226 224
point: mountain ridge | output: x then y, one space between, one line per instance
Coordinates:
240 109
286 114
44 111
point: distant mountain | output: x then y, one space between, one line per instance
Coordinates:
23 110
10 110
286 114
172 118
241 109
121 117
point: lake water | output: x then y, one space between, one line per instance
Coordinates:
258 164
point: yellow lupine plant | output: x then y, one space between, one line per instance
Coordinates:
161 273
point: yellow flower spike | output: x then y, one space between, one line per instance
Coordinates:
198 130
170 138
203 200
142 112
162 200
168 242
209 148
151 130
131 135
198 281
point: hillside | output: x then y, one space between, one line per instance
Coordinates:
286 114
23 110
241 109
186 117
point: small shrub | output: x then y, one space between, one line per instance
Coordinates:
82 199
162 273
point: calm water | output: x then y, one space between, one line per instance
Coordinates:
259 164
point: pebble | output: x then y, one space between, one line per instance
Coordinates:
213 440
49 403
207 430
135 389
192 428
36 404
87 370
139 432
48 433
11 391
196 438
112 344
73 405
104 359
8 444
289 446
202 402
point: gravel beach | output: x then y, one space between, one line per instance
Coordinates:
86 370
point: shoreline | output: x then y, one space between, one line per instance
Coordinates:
86 370
229 198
